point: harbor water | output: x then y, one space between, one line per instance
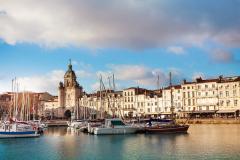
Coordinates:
201 142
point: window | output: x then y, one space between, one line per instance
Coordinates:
193 101
188 94
149 110
221 103
206 86
189 102
184 95
228 102
234 92
199 87
213 85
220 93
193 94
156 103
131 99
235 102
206 93
199 93
227 93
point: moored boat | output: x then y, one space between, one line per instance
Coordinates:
17 130
169 128
114 126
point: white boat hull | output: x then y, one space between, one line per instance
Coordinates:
123 130
18 134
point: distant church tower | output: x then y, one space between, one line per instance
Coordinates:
70 91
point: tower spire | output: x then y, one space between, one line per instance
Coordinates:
70 65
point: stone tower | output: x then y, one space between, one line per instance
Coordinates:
70 91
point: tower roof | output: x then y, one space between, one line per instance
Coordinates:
70 72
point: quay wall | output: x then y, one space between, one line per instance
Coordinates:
210 121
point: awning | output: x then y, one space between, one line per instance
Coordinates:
205 111
152 113
199 112
166 113
228 111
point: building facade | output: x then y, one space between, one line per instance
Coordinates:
69 91
200 98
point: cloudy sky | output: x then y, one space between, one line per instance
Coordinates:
137 40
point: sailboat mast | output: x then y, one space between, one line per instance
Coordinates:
170 84
16 111
101 96
12 99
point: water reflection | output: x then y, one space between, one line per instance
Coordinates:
202 142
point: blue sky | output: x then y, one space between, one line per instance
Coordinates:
135 40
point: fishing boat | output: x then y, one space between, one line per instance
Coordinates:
17 130
171 126
114 126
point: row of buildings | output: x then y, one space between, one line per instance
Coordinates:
199 98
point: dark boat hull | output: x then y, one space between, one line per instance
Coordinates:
170 129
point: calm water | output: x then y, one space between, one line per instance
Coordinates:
202 142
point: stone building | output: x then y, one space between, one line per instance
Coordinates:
69 91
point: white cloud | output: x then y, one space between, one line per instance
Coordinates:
139 75
222 55
36 83
176 50
83 74
114 23
41 83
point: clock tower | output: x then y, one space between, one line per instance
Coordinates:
69 91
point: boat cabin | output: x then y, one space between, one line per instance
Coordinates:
114 122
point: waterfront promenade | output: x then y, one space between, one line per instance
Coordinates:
211 121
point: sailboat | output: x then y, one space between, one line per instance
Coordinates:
172 126
14 128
